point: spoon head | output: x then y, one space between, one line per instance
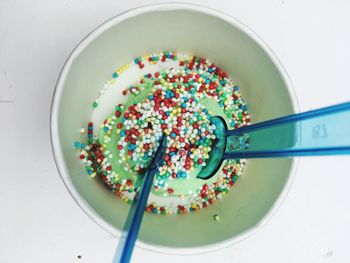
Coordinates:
215 160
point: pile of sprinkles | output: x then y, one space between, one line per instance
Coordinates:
178 102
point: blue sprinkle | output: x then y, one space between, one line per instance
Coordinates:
151 97
83 145
167 96
115 75
172 154
132 147
89 172
207 81
183 105
172 94
235 88
90 128
167 113
123 119
244 107
173 135
122 133
105 129
185 99
77 145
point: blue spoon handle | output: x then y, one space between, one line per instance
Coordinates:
324 131
134 219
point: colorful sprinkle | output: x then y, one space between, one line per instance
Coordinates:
216 217
172 106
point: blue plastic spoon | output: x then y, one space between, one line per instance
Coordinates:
324 131
134 219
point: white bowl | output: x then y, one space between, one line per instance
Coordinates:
204 32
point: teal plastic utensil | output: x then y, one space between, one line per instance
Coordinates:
134 219
324 131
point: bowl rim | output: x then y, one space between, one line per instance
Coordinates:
57 150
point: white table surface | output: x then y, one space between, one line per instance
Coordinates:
39 221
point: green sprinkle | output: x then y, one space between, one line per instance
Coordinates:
216 217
